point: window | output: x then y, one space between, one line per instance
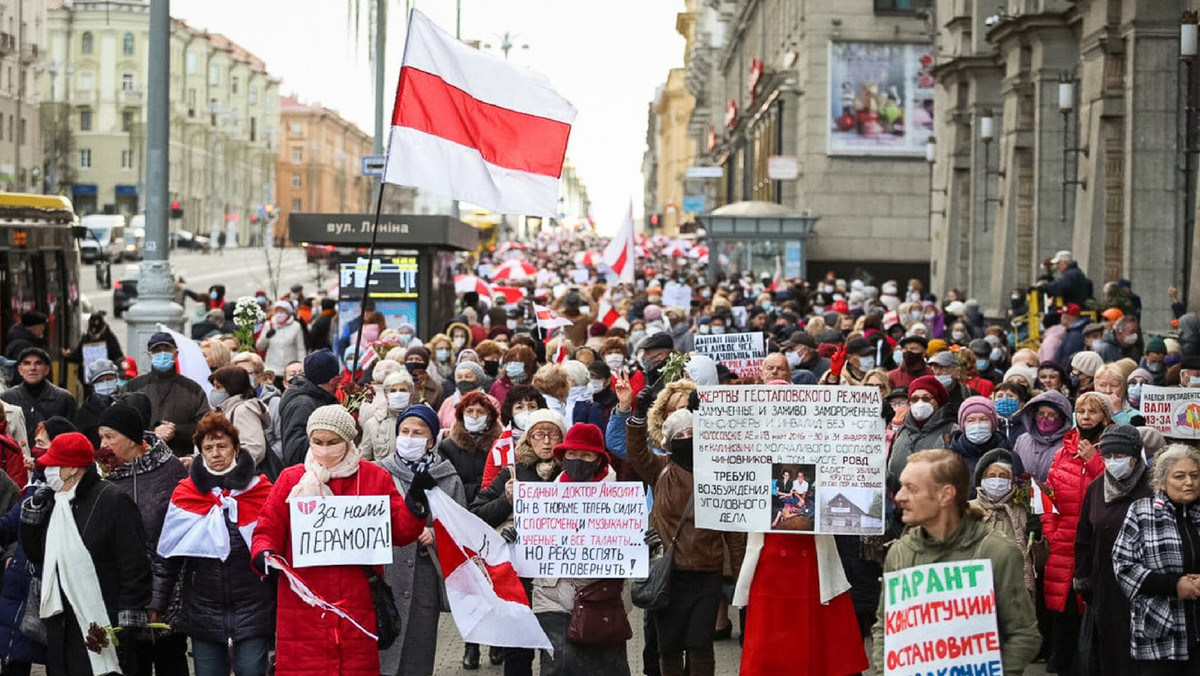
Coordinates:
85 81
191 102
253 129
191 63
297 130
85 119
253 94
297 155
900 6
233 85
126 82
297 180
85 156
22 139
126 120
1 126
87 43
214 75
127 44
297 204
126 159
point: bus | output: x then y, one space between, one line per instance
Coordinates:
39 270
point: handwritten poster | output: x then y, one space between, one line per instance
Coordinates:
341 530
941 619
1173 411
594 529
790 458
92 353
741 353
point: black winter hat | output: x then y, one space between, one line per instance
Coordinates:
124 419
659 341
1121 440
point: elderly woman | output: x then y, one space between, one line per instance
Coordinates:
426 382
1105 505
233 395
310 640
282 339
584 459
216 354
1051 376
555 385
517 368
1083 370
476 427
413 575
995 484
929 424
1158 566
379 429
148 472
977 433
520 403
581 408
1046 420
89 540
227 611
1110 382
380 371
468 377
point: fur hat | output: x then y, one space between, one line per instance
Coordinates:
333 418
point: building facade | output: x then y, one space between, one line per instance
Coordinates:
22 67
824 108
224 119
1065 125
676 151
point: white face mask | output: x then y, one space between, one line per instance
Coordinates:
921 410
398 401
614 361
1119 466
475 425
595 386
54 478
793 359
995 487
411 448
866 363
458 342
520 420
977 433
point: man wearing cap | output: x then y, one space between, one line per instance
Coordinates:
1072 285
912 363
176 402
31 332
860 358
655 351
102 380
1189 372
1073 338
1121 342
1155 360
948 372
984 367
801 353
314 389
38 398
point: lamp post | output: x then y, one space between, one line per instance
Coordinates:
987 134
1187 56
1066 106
931 159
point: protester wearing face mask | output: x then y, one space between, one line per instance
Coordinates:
460 337
614 353
1133 387
1083 368
516 368
1154 360
654 353
600 382
912 362
467 443
98 331
1046 418
801 352
102 378
379 428
948 371
1007 399
977 433
985 369
282 340
413 575
521 403
177 402
580 406
1189 372
929 424
995 493
860 358
1110 382
232 395
490 353
468 377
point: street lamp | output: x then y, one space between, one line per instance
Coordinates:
987 134
931 159
1066 106
1187 56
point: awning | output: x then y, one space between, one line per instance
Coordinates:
127 191
84 189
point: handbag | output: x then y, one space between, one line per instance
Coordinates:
654 593
598 615
387 615
31 622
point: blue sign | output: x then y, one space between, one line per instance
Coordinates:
84 189
693 204
372 165
127 191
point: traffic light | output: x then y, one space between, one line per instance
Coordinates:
176 210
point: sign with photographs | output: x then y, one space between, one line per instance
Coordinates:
880 99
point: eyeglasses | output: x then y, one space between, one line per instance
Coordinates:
926 398
1047 415
546 436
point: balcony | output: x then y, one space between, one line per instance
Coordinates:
132 98
8 44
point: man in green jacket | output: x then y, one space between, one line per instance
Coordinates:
942 528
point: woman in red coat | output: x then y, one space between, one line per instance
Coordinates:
310 640
1075 466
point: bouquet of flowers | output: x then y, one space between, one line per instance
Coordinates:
247 316
351 395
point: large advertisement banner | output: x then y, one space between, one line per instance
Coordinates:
790 458
880 99
1173 411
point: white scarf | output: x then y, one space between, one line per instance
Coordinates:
831 576
69 568
315 481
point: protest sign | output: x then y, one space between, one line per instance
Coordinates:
790 458
594 529
941 619
92 353
741 353
341 530
1173 411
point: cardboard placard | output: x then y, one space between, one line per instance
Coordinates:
341 530
1173 411
741 353
92 353
593 529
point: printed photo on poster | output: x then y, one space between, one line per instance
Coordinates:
880 98
851 511
793 492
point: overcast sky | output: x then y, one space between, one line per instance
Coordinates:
607 57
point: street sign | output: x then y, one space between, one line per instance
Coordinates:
783 168
704 172
372 165
693 204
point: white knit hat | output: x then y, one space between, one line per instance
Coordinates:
400 377
545 415
333 418
675 424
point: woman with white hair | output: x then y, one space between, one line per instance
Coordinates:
282 339
380 370
379 428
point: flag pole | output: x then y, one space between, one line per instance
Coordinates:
362 303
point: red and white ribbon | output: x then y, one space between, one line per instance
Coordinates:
309 596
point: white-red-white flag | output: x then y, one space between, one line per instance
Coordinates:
486 598
619 254
471 127
549 319
607 313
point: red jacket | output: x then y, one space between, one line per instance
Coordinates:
1068 479
310 641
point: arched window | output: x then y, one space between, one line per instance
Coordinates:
87 43
127 43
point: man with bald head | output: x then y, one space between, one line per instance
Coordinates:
776 367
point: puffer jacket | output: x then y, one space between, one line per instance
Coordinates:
491 504
252 420
379 434
697 549
285 345
469 454
1035 448
935 433
1067 483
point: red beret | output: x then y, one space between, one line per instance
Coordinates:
69 450
932 386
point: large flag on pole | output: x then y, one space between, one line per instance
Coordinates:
619 255
470 126
486 597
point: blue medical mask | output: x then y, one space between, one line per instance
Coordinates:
162 361
105 388
945 380
1006 407
515 370
982 365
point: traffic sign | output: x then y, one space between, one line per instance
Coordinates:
372 165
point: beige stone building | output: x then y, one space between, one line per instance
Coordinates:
676 151
223 128
22 69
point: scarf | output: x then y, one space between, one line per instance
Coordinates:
68 568
201 504
315 481
1115 489
1017 519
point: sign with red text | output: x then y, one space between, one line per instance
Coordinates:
1173 411
593 529
741 353
790 458
941 619
341 530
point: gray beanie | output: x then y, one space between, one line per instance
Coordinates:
101 367
480 377
1121 440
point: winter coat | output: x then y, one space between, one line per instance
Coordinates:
682 336
1072 343
222 600
282 345
1015 615
901 377
971 452
1052 340
591 412
418 596
1148 561
697 549
249 415
1067 481
1100 523
18 575
173 398
309 640
40 404
1072 287
321 330
379 434
298 403
1012 429
491 504
1109 348
20 338
468 453
1189 335
87 418
1036 449
935 433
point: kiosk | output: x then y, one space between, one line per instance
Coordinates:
412 278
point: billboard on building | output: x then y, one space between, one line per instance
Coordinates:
880 99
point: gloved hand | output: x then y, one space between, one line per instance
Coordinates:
260 561
887 412
641 406
838 361
415 499
693 404
653 541
271 333
509 534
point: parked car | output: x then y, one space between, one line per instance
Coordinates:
105 238
125 290
182 239
315 253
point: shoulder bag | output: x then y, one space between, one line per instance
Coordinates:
654 593
387 615
598 615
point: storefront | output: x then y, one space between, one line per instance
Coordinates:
84 197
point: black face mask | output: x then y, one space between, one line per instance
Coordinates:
413 367
491 367
465 386
681 452
913 359
1093 434
580 470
